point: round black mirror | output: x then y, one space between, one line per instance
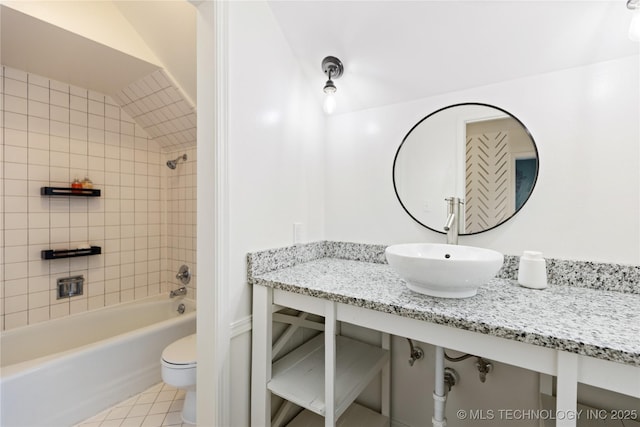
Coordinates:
477 152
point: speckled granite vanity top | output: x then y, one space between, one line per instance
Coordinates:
593 322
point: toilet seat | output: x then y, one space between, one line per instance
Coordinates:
181 354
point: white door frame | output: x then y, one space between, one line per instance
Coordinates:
212 211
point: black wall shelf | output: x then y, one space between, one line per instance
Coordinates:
65 191
69 253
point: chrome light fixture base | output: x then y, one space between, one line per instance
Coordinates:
332 67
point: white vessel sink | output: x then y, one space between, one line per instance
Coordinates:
447 271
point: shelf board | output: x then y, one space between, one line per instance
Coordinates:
355 416
299 376
70 253
65 191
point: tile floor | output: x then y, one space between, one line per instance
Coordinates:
159 405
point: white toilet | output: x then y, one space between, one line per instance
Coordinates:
179 370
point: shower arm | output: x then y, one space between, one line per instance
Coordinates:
171 164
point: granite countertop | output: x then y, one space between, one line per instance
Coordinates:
591 322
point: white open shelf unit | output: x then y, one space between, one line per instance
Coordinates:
323 376
299 376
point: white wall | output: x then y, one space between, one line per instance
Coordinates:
585 204
276 146
100 21
585 122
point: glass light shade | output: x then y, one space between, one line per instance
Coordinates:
634 27
329 105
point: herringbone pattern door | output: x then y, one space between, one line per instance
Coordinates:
487 180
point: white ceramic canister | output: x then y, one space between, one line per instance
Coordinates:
532 272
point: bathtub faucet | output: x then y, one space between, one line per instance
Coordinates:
184 274
178 292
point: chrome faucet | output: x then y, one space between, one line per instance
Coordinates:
452 226
178 292
184 274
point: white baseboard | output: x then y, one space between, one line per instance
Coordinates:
240 326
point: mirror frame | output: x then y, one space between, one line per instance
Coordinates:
535 180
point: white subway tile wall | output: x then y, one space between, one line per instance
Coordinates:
180 208
52 133
156 103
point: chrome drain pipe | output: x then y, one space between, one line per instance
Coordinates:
439 393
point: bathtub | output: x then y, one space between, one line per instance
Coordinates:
63 371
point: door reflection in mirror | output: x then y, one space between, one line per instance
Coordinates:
493 148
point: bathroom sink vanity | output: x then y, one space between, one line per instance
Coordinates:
568 332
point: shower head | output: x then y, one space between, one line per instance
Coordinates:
173 163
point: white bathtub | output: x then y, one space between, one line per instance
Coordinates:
63 371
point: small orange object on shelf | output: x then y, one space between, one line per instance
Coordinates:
76 185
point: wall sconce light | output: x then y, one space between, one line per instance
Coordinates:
634 27
333 68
